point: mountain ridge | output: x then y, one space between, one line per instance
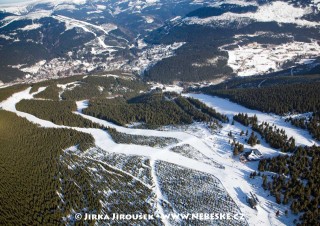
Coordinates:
80 37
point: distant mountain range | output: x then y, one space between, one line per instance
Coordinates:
165 41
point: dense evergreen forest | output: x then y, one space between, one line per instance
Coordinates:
51 93
260 81
215 11
88 87
5 93
207 110
293 98
296 181
311 123
186 106
30 169
153 109
103 86
58 112
192 63
245 120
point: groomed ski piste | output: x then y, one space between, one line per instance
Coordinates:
234 176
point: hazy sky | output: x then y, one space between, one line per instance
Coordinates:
12 1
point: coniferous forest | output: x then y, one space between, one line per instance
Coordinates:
7 92
153 109
295 182
284 99
31 172
36 166
58 112
311 123
275 137
187 112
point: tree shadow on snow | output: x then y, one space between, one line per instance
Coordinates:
241 195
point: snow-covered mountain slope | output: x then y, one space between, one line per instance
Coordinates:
216 182
258 37
79 36
280 12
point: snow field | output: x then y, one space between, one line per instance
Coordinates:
234 177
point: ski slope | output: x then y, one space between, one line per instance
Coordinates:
235 175
230 109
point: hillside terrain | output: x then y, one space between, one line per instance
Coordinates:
174 160
160 41
174 112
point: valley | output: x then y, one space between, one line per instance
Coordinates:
158 41
174 109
